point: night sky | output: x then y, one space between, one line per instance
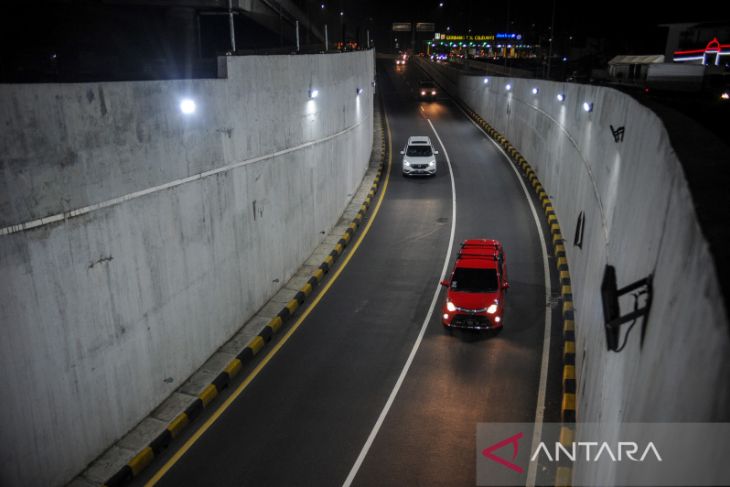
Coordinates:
87 40
628 26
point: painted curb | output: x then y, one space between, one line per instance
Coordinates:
207 396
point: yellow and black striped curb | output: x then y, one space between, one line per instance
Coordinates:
567 408
142 459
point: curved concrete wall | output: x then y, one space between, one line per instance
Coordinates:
639 217
162 234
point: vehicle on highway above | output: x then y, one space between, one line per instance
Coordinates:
401 59
427 89
476 288
419 157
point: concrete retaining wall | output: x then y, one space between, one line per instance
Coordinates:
639 217
166 232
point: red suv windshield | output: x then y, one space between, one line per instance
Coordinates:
474 280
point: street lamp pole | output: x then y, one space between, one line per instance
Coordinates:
552 38
231 26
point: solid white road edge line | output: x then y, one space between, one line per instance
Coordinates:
540 409
374 432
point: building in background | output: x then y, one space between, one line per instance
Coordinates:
699 43
631 69
481 46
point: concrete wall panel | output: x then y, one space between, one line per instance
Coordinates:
105 314
640 218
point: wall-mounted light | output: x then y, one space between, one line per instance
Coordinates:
612 317
313 93
588 106
486 80
508 87
561 97
535 91
188 106
358 91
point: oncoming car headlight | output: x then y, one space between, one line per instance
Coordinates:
450 306
492 309
423 93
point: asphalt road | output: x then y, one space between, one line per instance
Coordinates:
305 417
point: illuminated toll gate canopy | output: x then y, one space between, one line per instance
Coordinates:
480 46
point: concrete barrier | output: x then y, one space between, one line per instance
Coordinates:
136 239
615 166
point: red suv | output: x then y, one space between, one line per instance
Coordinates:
475 298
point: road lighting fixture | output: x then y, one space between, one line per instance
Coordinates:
588 106
358 91
486 81
188 106
508 87
313 93
561 97
535 91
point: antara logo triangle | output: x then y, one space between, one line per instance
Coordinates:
514 441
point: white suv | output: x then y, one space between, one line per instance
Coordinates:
419 158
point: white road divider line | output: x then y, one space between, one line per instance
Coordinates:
540 409
374 432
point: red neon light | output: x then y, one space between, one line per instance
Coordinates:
689 52
712 47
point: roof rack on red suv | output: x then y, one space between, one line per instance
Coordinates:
481 248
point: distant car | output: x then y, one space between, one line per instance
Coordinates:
476 288
401 59
427 89
419 157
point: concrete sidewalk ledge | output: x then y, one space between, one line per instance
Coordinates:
134 452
